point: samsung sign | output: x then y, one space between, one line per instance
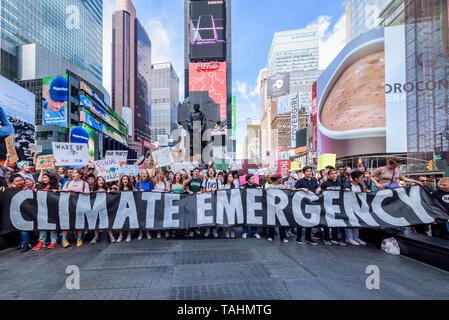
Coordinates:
304 35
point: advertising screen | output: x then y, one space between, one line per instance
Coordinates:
17 114
207 30
283 105
356 113
91 143
278 85
210 77
54 104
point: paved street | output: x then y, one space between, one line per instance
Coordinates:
216 269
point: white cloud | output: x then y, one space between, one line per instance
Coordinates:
332 40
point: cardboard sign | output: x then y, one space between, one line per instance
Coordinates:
326 159
45 162
179 166
129 170
70 154
36 148
109 169
11 149
120 156
163 157
163 140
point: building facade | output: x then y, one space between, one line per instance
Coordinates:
252 142
165 99
72 29
131 73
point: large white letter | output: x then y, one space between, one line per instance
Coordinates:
233 207
150 198
83 209
64 214
170 210
377 209
42 212
314 211
332 209
16 215
202 207
414 202
126 209
276 210
352 209
252 206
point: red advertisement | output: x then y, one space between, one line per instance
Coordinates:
211 77
314 117
284 167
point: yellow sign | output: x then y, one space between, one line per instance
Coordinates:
326 159
45 162
297 165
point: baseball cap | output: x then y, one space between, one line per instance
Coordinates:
21 164
58 89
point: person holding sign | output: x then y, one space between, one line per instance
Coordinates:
160 185
24 167
125 185
179 186
211 185
79 186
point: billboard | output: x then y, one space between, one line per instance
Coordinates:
294 118
17 116
283 105
207 34
278 85
91 143
54 104
355 114
211 77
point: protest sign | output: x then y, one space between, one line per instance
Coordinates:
236 165
11 149
45 162
326 159
109 169
163 157
120 156
70 154
178 167
163 140
36 148
129 170
221 164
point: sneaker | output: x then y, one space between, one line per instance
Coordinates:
244 236
232 234
335 242
25 248
79 242
167 234
311 242
112 239
362 243
327 243
215 233
257 236
285 240
270 239
128 238
120 239
140 236
290 234
299 241
206 234
158 235
51 246
148 235
353 242
197 232
227 235
94 241
342 243
65 243
39 245
429 233
191 234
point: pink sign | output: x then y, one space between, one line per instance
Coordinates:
243 179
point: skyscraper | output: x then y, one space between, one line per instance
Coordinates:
364 15
165 99
131 73
72 29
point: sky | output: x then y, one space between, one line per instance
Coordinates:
254 23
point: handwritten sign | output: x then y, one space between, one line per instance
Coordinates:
45 162
163 157
163 140
109 169
179 166
129 170
326 159
11 149
120 156
70 154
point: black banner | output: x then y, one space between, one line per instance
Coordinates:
45 210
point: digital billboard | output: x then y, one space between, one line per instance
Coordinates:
278 85
54 104
283 105
210 77
356 113
17 116
207 30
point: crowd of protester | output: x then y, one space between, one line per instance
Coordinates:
85 180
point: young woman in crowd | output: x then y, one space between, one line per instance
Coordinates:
210 185
144 184
24 170
91 180
229 185
79 186
125 185
366 181
276 183
389 176
179 186
62 175
161 185
250 184
101 186
48 182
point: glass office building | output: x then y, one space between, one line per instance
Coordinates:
72 29
365 15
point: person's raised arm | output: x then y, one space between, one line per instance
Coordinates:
373 178
405 179
189 178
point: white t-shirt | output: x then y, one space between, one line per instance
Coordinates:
210 184
356 188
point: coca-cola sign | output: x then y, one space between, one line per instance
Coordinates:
207 66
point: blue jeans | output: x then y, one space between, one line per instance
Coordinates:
254 230
6 129
282 233
43 236
24 237
352 234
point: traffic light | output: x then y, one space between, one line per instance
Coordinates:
430 165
